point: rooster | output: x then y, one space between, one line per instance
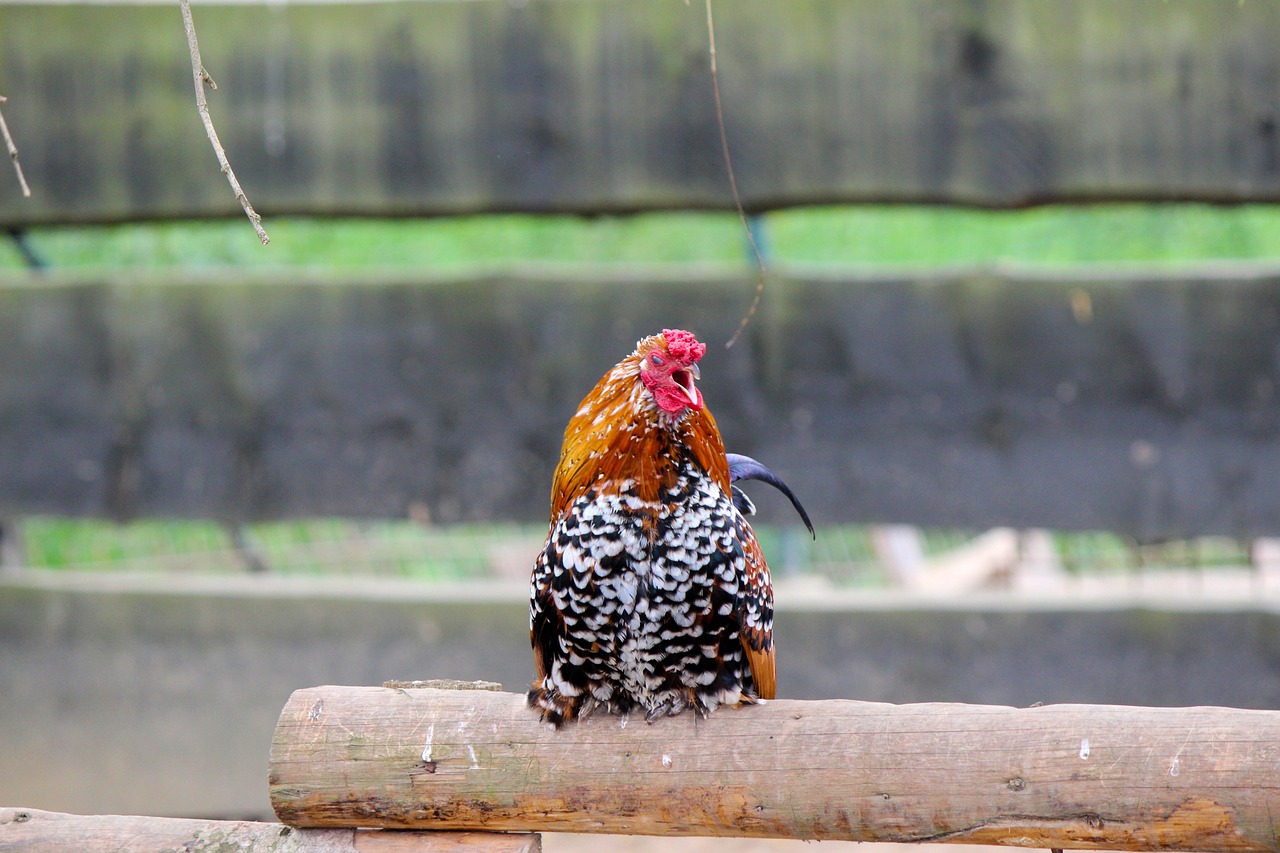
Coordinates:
651 591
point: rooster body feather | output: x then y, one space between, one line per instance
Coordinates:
651 592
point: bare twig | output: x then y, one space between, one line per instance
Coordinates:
13 152
203 79
733 182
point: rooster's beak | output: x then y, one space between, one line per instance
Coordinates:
684 380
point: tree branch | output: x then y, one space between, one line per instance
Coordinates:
13 152
202 79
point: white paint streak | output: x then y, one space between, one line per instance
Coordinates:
475 765
1175 766
426 750
1084 749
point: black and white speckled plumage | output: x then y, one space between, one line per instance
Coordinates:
647 598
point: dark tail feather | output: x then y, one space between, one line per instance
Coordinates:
745 468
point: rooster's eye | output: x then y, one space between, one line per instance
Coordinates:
655 358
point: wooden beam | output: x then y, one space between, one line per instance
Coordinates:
958 398
481 105
30 830
1069 776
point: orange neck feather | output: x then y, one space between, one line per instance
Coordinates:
619 434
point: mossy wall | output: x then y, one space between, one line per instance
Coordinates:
396 108
1131 401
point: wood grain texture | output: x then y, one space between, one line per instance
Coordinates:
32 830
1069 776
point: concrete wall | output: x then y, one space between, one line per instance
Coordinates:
159 695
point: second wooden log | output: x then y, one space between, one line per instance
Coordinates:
36 831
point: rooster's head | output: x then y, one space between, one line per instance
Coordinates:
669 367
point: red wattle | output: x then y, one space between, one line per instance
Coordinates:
672 400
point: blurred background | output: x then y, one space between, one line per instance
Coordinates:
1017 351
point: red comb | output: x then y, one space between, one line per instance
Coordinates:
683 345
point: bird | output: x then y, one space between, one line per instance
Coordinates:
651 593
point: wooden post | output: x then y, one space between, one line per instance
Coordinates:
12 558
1068 776
31 830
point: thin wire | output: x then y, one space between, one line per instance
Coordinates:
733 181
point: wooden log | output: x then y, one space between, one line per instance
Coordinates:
30 830
1068 776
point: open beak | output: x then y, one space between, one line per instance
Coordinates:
685 379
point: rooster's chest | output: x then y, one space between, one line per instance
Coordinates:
641 569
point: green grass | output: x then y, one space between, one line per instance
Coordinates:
874 236
62 542
303 547
392 244
1050 235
